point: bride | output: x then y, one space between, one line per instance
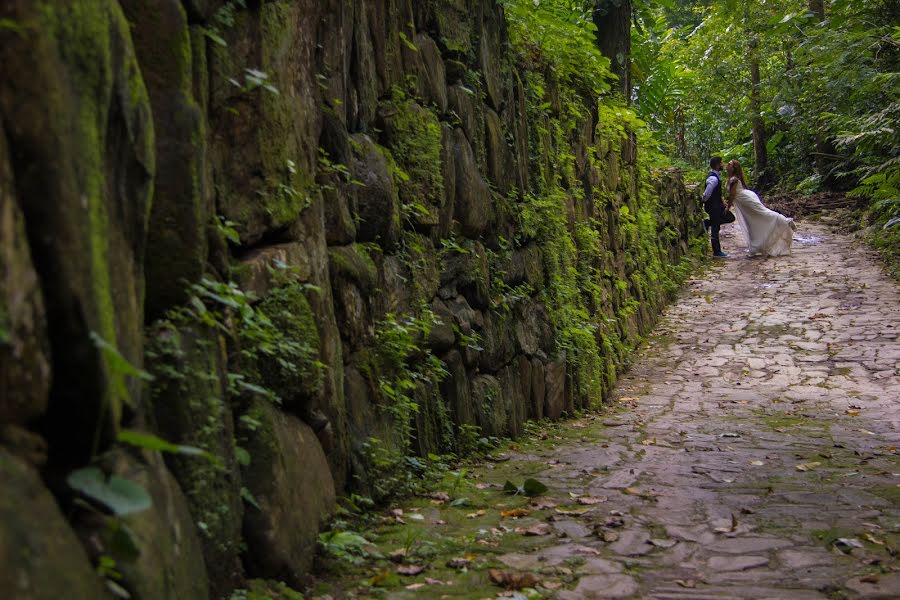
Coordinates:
768 233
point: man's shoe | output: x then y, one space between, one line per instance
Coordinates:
720 254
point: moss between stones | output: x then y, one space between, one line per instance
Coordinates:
292 370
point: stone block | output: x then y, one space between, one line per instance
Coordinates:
254 273
555 388
182 207
492 407
42 557
83 161
290 479
378 205
170 561
190 406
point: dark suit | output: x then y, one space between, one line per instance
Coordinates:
714 207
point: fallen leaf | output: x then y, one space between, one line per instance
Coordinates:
537 529
873 539
870 578
551 585
609 536
415 586
686 583
515 513
396 512
853 413
543 504
431 581
440 496
571 513
757 463
459 563
807 466
848 544
660 543
410 570
649 442
483 486
632 491
476 514
513 581
416 517
591 500
586 550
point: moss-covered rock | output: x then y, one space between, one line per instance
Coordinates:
292 369
182 204
290 480
78 123
473 207
378 204
169 561
265 126
190 406
42 558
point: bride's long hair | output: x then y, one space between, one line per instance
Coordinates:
734 170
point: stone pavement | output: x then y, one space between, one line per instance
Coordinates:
757 457
751 453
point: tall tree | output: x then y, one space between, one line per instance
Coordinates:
613 21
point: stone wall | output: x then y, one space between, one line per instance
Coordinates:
335 233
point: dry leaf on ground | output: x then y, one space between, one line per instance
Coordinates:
513 581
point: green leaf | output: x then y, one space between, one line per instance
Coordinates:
242 456
248 497
117 362
510 488
152 442
533 487
119 495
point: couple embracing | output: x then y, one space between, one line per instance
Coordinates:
768 233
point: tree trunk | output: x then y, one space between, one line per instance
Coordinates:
817 7
758 125
613 21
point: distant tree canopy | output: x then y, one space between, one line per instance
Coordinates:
805 92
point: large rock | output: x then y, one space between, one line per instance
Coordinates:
538 388
473 208
363 98
190 405
500 165
466 272
42 559
265 268
455 389
378 205
78 123
170 562
464 103
24 349
265 142
354 278
493 408
434 78
299 383
490 52
182 205
497 338
555 388
289 477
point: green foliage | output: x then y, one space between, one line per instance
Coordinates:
121 496
148 441
557 34
346 546
402 365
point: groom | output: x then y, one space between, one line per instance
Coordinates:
714 206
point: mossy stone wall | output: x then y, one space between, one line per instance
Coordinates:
431 239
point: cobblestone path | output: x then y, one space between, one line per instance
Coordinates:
752 454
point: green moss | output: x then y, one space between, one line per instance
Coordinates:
415 144
291 367
354 263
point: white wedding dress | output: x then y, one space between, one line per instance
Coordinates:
768 233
